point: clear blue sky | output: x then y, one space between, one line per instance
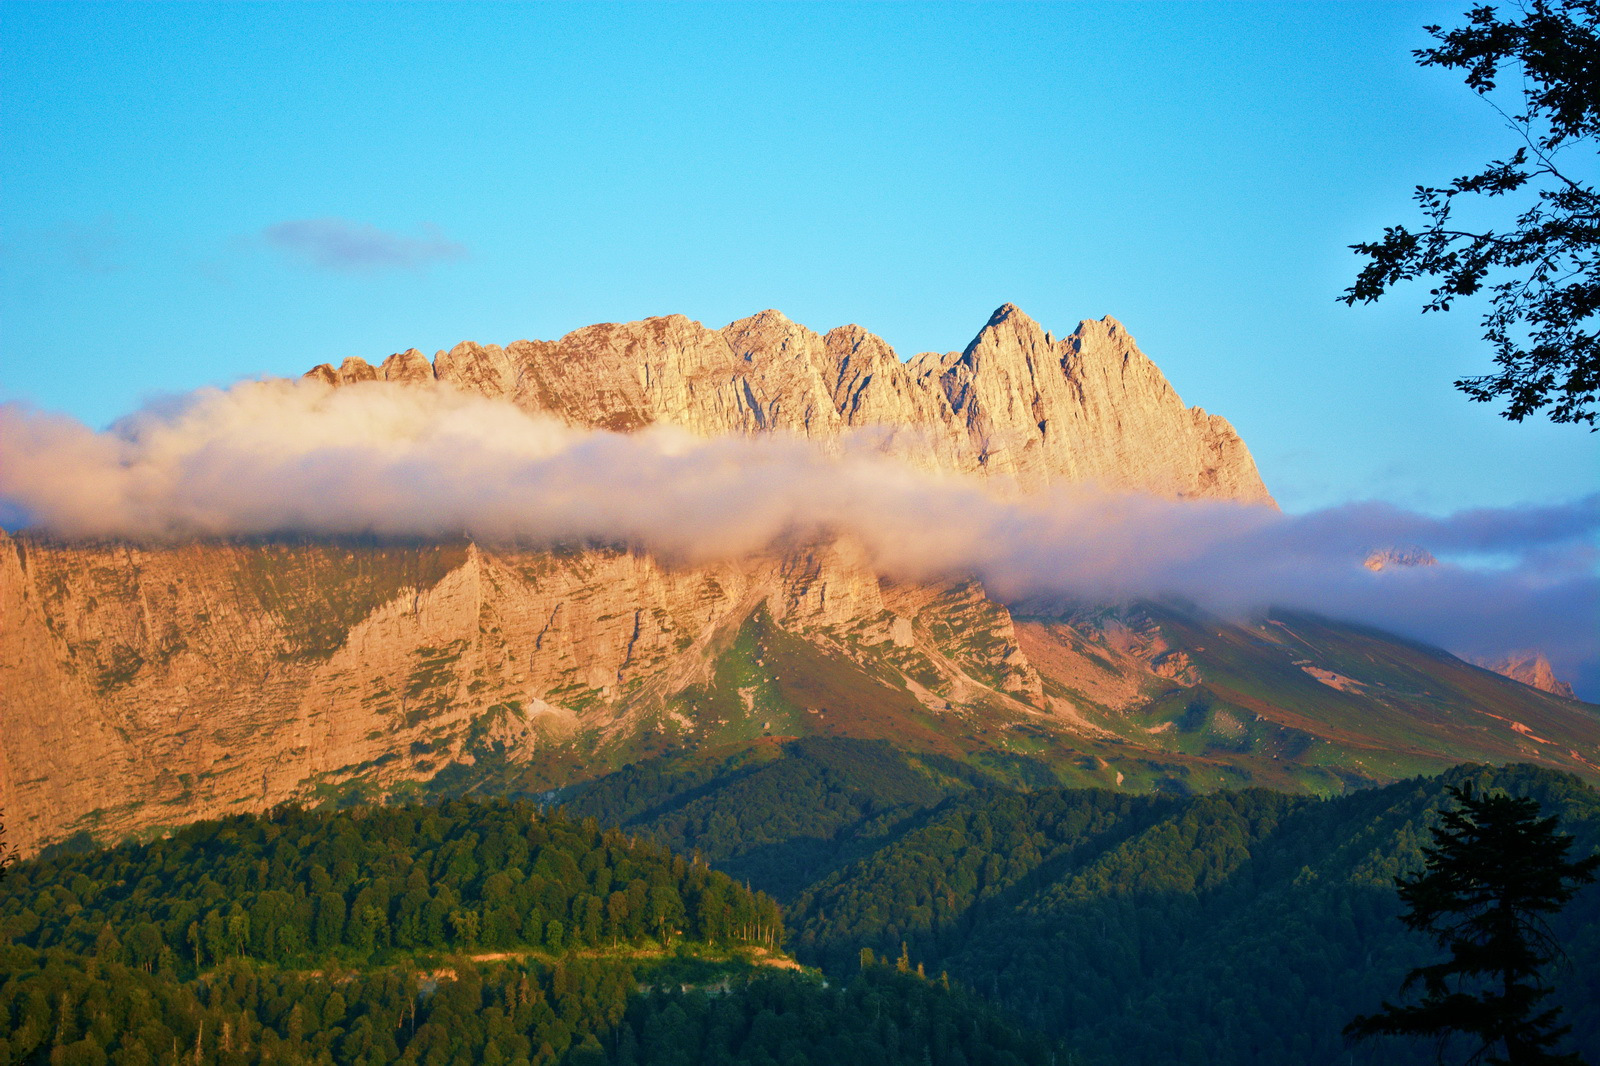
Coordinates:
168 174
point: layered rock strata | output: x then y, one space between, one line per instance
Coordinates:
145 686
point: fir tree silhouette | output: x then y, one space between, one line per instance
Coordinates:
1494 871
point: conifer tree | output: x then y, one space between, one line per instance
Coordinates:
1494 871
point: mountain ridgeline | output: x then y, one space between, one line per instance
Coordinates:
1017 402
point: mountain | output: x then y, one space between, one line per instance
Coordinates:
143 687
146 685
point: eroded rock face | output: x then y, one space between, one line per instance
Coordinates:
157 685
144 687
1531 668
1015 404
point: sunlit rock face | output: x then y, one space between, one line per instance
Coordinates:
158 684
1015 404
1531 668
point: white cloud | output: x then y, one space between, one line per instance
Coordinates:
377 458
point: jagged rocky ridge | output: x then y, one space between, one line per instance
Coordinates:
1017 402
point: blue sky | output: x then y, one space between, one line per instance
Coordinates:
191 194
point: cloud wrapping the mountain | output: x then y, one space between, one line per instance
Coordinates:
345 247
376 458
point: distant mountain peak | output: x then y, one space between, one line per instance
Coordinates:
1530 667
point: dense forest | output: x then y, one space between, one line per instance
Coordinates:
879 1016
1243 927
781 816
949 918
463 933
361 885
74 1010
1253 924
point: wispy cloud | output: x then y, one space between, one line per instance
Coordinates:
380 458
93 247
345 247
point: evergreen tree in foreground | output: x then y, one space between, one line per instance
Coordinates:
1495 869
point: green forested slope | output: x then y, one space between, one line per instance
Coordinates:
1142 928
1240 927
361 885
66 1010
465 933
780 815
880 1016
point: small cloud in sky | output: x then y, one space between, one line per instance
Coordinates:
345 247
93 247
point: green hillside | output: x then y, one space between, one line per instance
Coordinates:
1237 926
1356 703
1291 702
1252 921
1240 927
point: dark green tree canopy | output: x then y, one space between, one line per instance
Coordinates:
1494 872
1542 270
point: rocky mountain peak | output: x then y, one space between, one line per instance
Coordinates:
1008 325
1006 312
1531 668
1097 332
408 366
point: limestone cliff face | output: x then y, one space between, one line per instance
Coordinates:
1530 668
151 686
1017 403
1089 408
144 687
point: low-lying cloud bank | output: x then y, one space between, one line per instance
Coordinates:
298 456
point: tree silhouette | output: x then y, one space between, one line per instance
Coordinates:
1494 870
1546 296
